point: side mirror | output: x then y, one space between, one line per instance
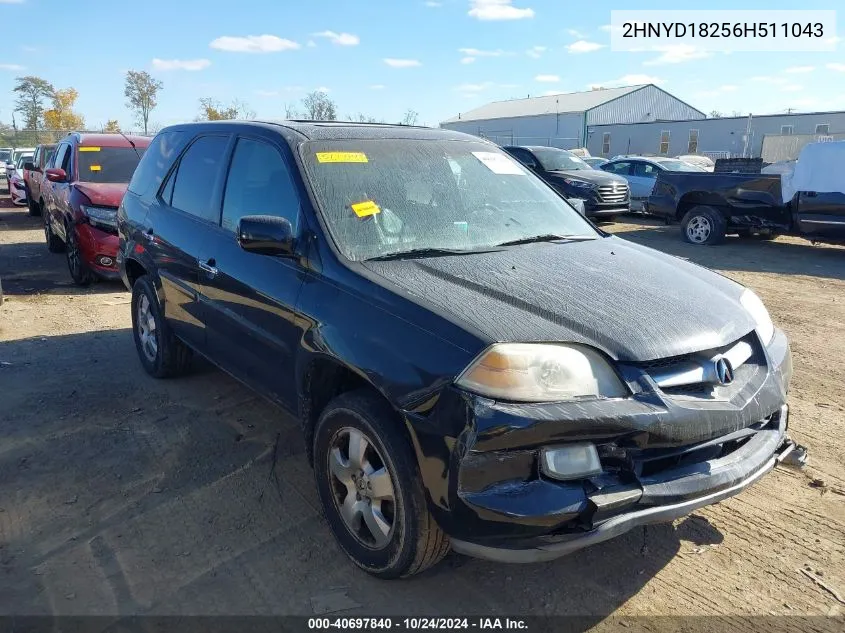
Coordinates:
29 166
266 235
56 174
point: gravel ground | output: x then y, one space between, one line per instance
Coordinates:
120 494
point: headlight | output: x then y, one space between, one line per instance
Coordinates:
101 215
578 183
764 326
532 372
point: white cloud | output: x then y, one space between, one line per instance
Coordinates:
800 69
583 46
13 67
837 67
402 63
497 10
480 87
324 89
253 44
536 51
549 79
676 54
340 39
467 60
609 28
629 80
433 4
776 81
576 34
180 64
475 52
377 87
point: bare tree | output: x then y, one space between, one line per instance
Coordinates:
410 117
318 106
213 110
291 112
141 92
365 118
715 114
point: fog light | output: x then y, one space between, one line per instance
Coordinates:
573 461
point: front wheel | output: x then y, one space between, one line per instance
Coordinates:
33 208
703 225
79 271
370 488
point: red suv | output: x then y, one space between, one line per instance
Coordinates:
85 182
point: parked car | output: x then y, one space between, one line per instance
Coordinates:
473 364
5 157
699 160
33 176
17 187
709 206
605 196
641 173
85 181
595 161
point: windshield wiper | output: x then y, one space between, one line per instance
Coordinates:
428 252
549 237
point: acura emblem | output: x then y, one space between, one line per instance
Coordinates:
724 371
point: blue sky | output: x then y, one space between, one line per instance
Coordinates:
381 57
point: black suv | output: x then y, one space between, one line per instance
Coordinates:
472 362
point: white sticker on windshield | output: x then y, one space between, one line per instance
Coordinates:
499 163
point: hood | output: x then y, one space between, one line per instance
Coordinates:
103 194
595 176
632 302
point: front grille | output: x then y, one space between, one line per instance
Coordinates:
615 193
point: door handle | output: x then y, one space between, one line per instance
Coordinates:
208 267
149 235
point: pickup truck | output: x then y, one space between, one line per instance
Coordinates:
710 205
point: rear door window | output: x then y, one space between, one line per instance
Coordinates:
645 170
196 177
623 169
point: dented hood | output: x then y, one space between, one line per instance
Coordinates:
103 194
632 302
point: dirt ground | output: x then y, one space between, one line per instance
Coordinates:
120 494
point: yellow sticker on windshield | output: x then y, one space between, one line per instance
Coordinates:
341 157
365 209
95 168
89 149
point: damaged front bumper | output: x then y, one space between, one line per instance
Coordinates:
664 454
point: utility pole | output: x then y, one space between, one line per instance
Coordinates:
14 131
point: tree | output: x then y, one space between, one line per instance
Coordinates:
291 112
32 92
410 117
213 110
111 127
318 107
364 118
715 114
61 116
141 93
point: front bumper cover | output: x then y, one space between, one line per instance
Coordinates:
486 492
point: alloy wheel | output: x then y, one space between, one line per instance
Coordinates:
363 488
146 324
699 229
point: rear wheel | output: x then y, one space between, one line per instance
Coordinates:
703 225
34 208
79 270
54 243
161 353
370 488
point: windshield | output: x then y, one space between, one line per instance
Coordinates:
107 164
559 160
24 158
380 197
5 155
678 165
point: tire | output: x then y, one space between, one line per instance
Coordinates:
54 243
168 357
414 541
703 225
33 207
79 271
